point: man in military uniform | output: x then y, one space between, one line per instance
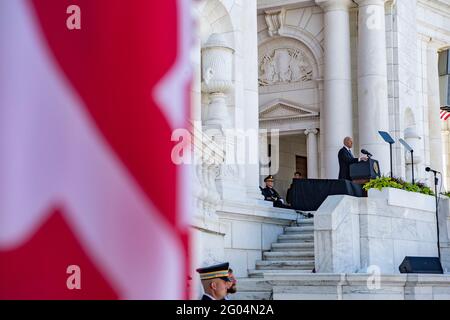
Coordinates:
215 281
270 194
231 285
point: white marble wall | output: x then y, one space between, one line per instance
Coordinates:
336 236
207 248
353 234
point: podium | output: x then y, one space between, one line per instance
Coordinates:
363 171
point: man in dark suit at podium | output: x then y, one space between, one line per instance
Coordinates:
346 158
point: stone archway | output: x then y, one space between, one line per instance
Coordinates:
289 99
288 70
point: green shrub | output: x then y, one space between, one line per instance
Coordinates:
382 182
447 194
397 183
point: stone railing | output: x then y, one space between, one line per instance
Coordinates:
208 157
374 234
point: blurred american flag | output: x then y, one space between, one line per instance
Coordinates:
445 112
86 177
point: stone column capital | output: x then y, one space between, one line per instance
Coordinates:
331 5
363 3
311 131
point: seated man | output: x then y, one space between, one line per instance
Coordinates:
270 194
215 281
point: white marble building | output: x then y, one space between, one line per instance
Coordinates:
317 71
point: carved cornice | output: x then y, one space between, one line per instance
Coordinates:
281 110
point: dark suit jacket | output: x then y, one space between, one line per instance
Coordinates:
345 160
205 297
270 194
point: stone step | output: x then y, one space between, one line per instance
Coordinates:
257 284
252 295
288 255
254 273
285 264
305 221
309 237
292 246
300 229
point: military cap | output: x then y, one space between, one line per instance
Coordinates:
268 178
215 271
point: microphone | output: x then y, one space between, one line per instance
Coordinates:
428 169
367 153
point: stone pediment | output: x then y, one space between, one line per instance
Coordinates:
282 109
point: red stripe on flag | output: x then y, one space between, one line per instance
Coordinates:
37 269
114 61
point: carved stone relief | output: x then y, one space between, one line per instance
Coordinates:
284 65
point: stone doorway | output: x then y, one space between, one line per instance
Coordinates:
301 165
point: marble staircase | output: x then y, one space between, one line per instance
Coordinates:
293 253
285 272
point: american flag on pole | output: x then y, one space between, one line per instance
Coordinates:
445 113
86 176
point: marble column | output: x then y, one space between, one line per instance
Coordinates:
250 106
372 80
312 153
337 109
434 121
